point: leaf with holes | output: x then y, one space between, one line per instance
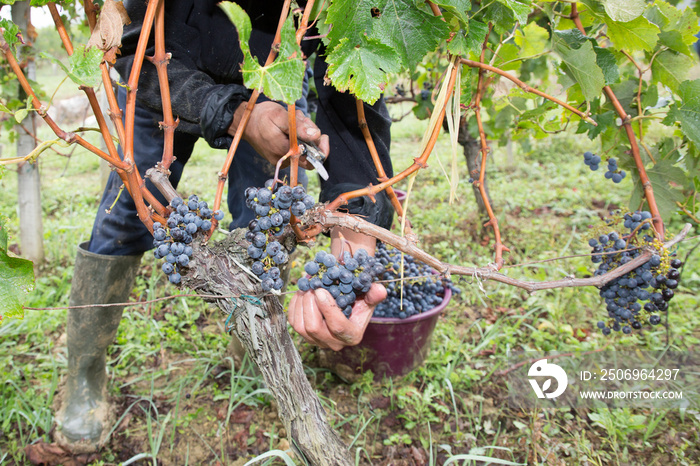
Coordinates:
362 68
411 32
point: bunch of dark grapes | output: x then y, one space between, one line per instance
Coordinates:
641 294
346 279
171 241
592 160
274 206
400 90
614 173
411 297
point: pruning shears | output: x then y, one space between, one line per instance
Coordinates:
315 157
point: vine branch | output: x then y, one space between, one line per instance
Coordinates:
329 219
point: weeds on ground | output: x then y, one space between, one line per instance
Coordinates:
180 401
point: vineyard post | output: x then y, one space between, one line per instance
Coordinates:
31 231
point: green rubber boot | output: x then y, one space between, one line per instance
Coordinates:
85 415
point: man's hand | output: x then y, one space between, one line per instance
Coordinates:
268 131
316 317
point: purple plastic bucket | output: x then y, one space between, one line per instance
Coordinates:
400 195
390 346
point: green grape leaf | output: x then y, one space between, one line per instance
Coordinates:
605 121
638 34
399 24
21 114
362 68
11 32
508 57
674 41
457 8
606 61
16 280
532 39
688 110
624 10
520 9
650 97
282 79
409 31
500 16
666 195
351 19
241 20
84 66
572 37
672 23
671 69
580 64
469 44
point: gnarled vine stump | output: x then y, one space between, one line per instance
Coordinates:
261 325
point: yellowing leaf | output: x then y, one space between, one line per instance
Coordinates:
624 10
532 39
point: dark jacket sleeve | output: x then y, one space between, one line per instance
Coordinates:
349 163
204 107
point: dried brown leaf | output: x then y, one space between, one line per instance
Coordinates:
110 26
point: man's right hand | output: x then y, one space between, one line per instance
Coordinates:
268 131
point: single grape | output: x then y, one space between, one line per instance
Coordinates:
264 196
311 268
303 284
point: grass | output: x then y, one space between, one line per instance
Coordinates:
180 402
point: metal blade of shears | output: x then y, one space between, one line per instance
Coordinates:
315 157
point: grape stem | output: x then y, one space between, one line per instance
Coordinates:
328 219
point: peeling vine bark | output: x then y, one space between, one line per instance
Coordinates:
261 325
